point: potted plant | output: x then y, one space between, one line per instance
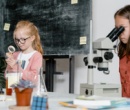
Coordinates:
2 80
23 90
2 69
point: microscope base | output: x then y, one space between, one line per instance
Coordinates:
100 89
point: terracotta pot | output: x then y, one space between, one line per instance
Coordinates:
23 98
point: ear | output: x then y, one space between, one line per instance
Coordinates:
33 38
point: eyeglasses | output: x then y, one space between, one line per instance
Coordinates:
21 40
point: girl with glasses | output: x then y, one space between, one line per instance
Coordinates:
26 37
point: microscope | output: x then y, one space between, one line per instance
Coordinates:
100 55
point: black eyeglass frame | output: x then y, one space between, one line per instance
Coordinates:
21 40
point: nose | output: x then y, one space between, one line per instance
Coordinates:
19 44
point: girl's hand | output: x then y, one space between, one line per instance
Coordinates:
10 60
9 55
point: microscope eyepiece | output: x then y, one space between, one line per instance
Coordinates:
111 34
114 34
118 32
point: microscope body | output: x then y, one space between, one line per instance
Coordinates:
100 57
103 51
103 43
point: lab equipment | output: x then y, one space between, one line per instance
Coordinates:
100 55
11 49
40 99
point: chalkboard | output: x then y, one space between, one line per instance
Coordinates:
60 24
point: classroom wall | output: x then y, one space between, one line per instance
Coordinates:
103 22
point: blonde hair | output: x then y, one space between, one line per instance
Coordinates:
31 30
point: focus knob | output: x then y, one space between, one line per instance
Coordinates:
97 59
108 55
85 61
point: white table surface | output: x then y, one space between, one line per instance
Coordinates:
54 99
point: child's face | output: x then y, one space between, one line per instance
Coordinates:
22 40
121 21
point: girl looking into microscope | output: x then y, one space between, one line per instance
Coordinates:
122 18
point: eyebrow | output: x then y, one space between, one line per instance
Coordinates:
21 38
